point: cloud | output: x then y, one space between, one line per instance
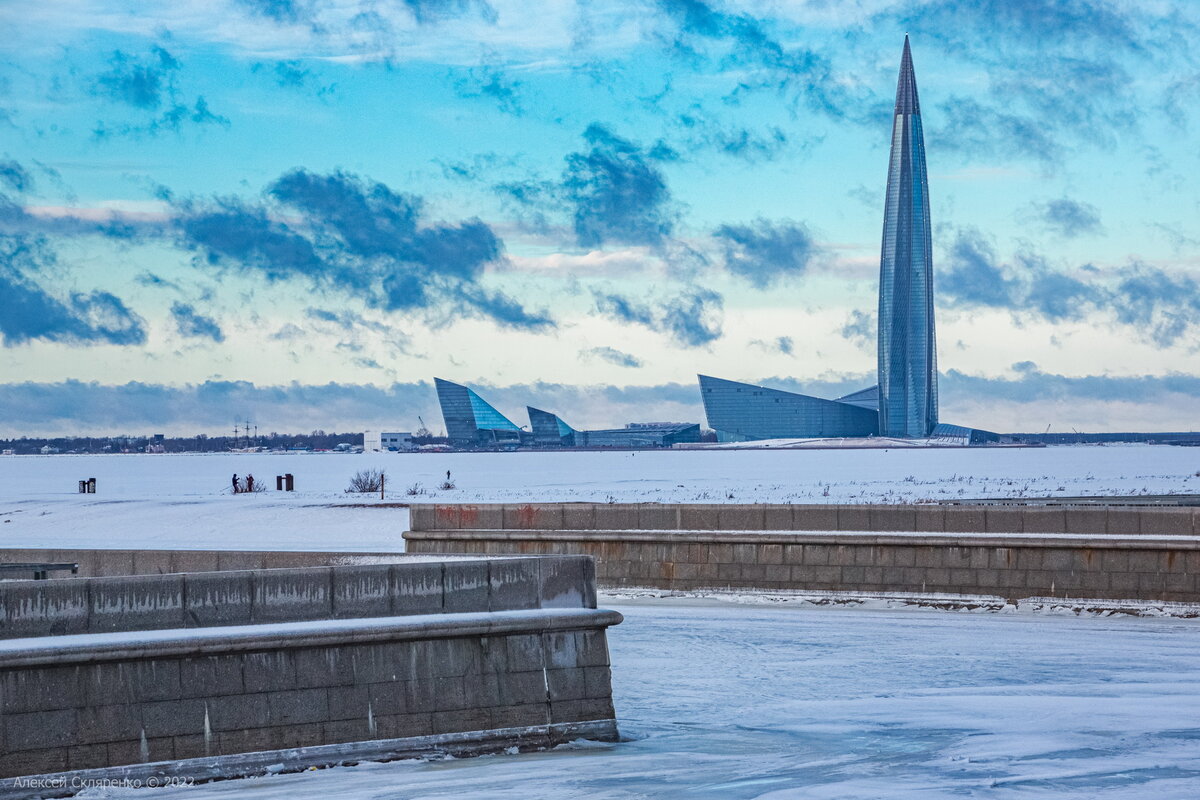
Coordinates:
860 328
617 191
28 311
427 12
282 11
149 84
734 141
612 356
194 325
780 344
1069 217
489 81
1160 305
693 318
356 236
767 253
15 176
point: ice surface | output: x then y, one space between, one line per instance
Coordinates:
182 501
732 701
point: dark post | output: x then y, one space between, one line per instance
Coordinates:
279 483
91 485
289 482
83 487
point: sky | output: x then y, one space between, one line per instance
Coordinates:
298 213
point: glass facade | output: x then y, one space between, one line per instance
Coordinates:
908 402
741 412
646 434
470 420
548 430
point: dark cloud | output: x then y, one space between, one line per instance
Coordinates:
612 356
16 177
1160 305
693 318
735 141
973 129
748 47
195 325
766 253
1070 217
149 84
28 311
489 81
617 191
283 11
860 328
360 237
433 11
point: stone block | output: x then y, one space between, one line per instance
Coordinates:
930 519
777 518
965 519
999 519
893 518
533 516
233 560
468 719
452 657
108 723
298 706
86 756
561 649
1124 521
421 517
564 582
1086 520
814 518
854 518
41 608
416 588
1166 521
481 690
356 701
770 554
217 598
173 717
269 671
449 693
399 726
354 729
566 684
113 563
210 676
467 586
151 562
520 688
446 517
615 516
657 517
579 516
131 681
778 573
323 666
35 762
135 602
699 517
514 584
741 518
1147 560
288 595
581 710
597 682
1045 520
510 716
524 652
361 591
238 712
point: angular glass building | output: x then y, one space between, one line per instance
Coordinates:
908 401
548 430
741 412
471 420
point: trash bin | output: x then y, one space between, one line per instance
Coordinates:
91 486
289 482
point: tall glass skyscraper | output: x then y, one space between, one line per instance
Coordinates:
908 401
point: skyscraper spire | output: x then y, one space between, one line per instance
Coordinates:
908 402
906 87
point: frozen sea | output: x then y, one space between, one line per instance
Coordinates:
729 701
169 501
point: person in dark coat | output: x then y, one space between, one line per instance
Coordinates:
235 486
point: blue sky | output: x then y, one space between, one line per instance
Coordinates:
299 212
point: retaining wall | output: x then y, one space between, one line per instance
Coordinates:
229 674
97 563
1013 565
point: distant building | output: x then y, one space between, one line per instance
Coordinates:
385 441
741 412
471 420
550 431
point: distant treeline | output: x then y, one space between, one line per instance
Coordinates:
317 440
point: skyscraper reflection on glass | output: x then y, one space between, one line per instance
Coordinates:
908 401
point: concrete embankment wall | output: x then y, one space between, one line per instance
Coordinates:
300 667
244 597
97 563
1021 564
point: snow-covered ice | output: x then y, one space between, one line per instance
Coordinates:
183 500
734 701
